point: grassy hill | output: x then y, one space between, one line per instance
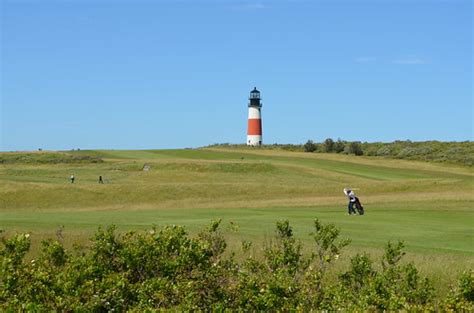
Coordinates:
427 205
453 152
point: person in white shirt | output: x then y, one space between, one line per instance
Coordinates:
352 199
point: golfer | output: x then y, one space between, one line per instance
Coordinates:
352 199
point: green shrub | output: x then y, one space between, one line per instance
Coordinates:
339 146
310 146
461 153
166 269
355 148
410 152
461 297
385 151
329 145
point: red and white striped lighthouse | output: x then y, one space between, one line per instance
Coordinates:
254 131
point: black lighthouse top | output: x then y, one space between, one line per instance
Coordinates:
255 98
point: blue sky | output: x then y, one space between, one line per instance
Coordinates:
174 74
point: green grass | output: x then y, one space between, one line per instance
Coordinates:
428 206
445 231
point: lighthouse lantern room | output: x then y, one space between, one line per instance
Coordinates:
254 130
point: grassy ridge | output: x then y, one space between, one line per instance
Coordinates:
46 158
460 153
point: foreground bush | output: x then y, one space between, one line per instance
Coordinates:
166 269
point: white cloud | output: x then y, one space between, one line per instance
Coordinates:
408 60
249 6
365 59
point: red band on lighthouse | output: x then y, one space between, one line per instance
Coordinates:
254 127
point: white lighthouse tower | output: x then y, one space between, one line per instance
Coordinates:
254 131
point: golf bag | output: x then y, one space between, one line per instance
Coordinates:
359 207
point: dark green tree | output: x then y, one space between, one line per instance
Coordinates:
329 145
339 146
355 148
310 146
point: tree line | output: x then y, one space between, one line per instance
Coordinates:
461 153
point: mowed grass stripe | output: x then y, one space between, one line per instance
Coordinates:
375 172
424 230
408 169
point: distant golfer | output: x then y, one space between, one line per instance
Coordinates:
72 179
100 180
352 199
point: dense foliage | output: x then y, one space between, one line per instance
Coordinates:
167 269
436 151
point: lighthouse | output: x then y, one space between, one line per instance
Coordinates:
254 131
